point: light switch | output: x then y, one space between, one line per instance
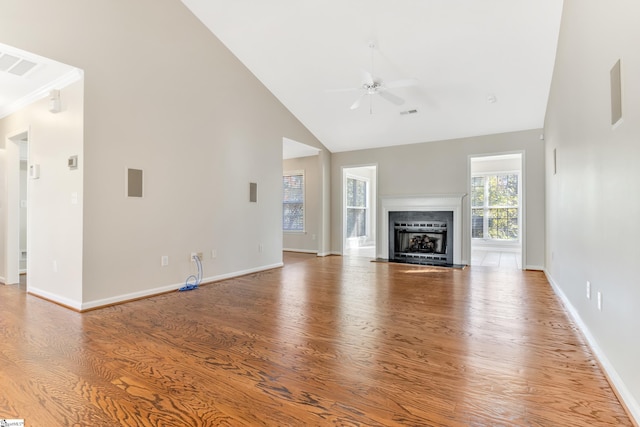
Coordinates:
34 171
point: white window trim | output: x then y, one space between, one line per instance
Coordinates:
304 202
486 219
367 207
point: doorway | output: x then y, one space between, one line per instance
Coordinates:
497 214
16 233
359 185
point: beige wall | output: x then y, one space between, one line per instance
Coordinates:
442 167
307 241
54 223
496 165
162 94
593 204
2 207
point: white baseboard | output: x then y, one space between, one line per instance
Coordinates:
76 305
3 280
304 251
239 273
83 306
534 267
623 392
168 288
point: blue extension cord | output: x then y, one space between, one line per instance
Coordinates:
188 286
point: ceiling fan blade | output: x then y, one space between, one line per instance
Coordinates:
367 78
401 83
391 97
358 101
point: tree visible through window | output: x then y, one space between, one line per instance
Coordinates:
356 207
293 201
495 207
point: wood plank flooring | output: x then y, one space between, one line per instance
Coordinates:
322 341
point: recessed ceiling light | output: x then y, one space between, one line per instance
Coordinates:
491 99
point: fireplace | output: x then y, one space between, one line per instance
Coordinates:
421 237
425 209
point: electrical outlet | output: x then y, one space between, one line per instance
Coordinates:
195 254
599 301
260 247
164 261
214 253
588 289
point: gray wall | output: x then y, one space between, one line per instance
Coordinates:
442 167
593 204
162 94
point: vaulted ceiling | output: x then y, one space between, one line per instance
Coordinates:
481 66
463 67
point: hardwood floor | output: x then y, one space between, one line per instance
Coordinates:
322 341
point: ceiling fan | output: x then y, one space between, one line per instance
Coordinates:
372 85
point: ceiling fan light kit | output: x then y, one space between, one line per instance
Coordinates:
372 86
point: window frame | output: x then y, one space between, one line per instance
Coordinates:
304 201
367 208
486 207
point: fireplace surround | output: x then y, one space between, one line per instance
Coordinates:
417 205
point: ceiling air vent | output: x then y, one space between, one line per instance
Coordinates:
15 65
7 61
404 113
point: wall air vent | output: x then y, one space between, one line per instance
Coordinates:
404 113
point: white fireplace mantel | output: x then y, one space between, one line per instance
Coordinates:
425 202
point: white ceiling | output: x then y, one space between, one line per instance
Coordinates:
18 90
461 52
292 149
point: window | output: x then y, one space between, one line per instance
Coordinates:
293 201
357 207
495 206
